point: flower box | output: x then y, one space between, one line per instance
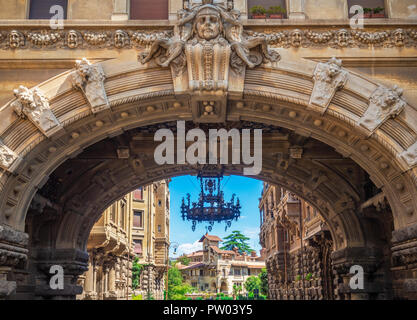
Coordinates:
259 16
378 15
276 16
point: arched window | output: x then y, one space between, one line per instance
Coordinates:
40 9
149 9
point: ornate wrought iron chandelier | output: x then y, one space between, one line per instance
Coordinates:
211 206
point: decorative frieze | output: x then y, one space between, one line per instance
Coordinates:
383 104
90 80
284 38
33 105
7 156
328 78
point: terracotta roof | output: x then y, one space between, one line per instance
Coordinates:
210 237
218 250
195 253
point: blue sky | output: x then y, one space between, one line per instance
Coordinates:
248 190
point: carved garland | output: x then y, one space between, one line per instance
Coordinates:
296 38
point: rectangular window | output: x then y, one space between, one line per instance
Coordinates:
237 271
149 9
266 4
369 4
138 219
138 194
138 246
40 9
201 273
159 228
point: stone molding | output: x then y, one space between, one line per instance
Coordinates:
33 105
81 38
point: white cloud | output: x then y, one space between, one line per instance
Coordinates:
188 248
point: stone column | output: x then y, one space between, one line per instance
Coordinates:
13 254
120 10
367 258
89 280
74 263
404 262
295 10
112 294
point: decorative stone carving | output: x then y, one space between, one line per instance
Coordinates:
398 37
7 156
384 103
90 80
410 155
73 39
96 38
212 34
328 78
16 39
295 38
370 37
44 38
317 37
33 105
121 39
208 54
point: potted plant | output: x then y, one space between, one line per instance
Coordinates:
258 12
276 12
378 12
367 13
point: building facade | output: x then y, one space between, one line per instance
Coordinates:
337 103
298 247
213 270
135 226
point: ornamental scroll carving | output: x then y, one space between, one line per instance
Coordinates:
328 78
383 104
33 105
90 80
7 156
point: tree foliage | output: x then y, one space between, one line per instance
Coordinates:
136 271
263 276
238 240
253 283
184 260
176 286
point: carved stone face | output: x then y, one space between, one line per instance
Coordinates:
72 39
399 37
296 37
15 39
333 70
119 39
390 99
208 26
342 38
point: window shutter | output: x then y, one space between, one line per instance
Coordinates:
149 9
39 9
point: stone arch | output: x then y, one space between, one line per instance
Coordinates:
129 95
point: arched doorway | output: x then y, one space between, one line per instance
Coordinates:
93 127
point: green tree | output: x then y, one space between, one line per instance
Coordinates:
176 286
253 283
263 276
184 260
136 271
238 240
